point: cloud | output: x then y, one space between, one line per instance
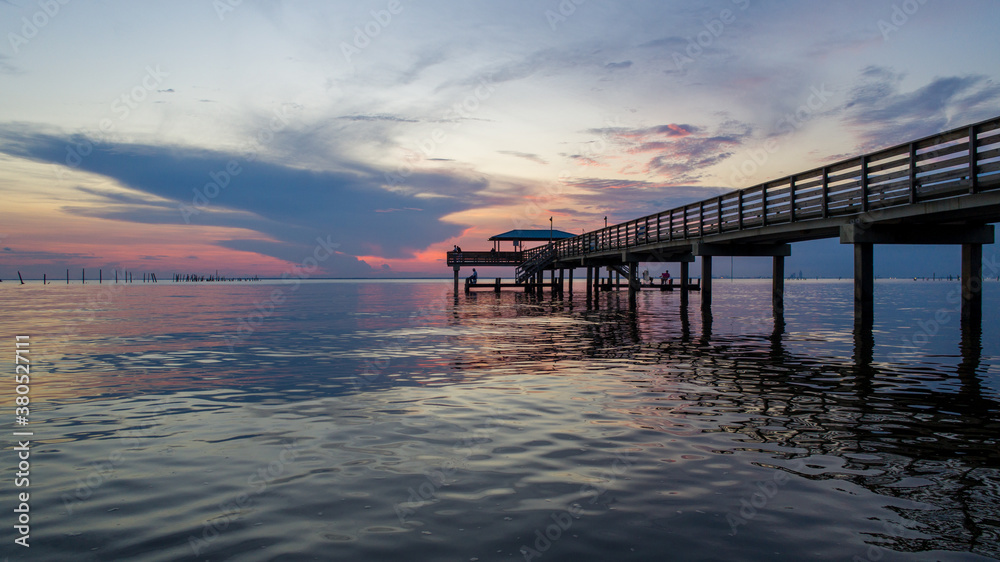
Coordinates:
618 65
883 114
425 59
844 40
527 156
632 199
603 183
290 206
120 197
650 134
29 256
677 153
378 117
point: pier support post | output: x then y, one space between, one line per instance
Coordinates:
571 283
684 283
456 268
970 236
633 283
590 284
972 282
778 285
864 284
706 284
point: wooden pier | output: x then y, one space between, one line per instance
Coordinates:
942 189
559 286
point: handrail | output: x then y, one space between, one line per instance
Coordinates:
484 258
536 262
960 161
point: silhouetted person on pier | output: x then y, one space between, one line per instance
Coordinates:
474 277
664 277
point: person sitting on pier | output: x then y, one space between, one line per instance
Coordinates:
665 277
474 277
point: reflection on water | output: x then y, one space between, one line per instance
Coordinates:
368 420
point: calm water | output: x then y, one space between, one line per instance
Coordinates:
391 421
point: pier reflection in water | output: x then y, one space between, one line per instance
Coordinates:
419 421
919 426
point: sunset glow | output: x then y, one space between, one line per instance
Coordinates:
275 128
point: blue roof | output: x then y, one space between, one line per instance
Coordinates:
532 235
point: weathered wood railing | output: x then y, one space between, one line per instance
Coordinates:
485 258
953 163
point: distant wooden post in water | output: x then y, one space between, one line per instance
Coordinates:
19 277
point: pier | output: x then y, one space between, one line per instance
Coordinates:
941 189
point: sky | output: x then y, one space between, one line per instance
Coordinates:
365 138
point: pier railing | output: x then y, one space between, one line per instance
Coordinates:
953 163
485 258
